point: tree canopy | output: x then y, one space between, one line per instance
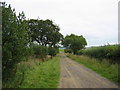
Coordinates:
22 38
19 36
44 32
14 38
74 42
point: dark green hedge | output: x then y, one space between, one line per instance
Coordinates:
67 50
111 52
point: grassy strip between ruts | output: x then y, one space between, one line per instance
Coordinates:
36 74
104 68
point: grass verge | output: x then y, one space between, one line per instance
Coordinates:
36 74
104 68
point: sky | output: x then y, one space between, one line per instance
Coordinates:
96 20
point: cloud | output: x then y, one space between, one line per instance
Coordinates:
96 20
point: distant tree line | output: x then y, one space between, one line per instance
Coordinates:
22 38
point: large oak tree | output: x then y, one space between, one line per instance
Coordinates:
44 32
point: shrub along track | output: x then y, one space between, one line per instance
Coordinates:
75 75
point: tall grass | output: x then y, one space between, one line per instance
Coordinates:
36 74
104 68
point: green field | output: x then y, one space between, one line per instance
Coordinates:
37 74
104 68
61 50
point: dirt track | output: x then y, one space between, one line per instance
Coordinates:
75 75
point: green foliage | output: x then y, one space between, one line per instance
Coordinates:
80 52
29 52
67 50
14 39
40 51
19 36
44 32
74 42
104 68
53 51
111 52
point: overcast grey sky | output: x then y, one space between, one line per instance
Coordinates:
96 20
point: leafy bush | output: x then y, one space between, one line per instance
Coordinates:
80 52
67 50
111 52
40 51
29 52
17 36
14 40
52 51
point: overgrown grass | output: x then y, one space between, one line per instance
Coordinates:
37 74
104 68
